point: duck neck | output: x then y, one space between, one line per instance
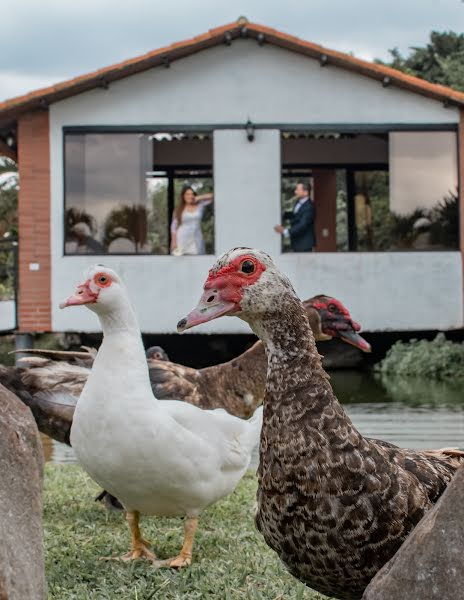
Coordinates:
294 364
122 347
118 319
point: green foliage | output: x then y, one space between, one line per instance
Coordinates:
132 219
75 215
437 359
9 187
444 217
342 211
231 560
440 61
158 218
392 231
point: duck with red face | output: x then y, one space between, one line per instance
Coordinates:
225 288
334 505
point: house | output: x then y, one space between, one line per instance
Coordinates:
242 111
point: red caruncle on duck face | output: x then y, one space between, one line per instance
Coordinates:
89 291
223 290
338 322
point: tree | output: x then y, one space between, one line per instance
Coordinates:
9 187
440 61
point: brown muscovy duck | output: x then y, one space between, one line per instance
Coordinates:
237 385
334 505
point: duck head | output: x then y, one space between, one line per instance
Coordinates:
246 283
329 319
241 283
100 290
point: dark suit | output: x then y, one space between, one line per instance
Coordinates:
302 237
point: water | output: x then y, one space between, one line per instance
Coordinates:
408 412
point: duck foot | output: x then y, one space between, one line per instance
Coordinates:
138 551
177 562
140 546
184 559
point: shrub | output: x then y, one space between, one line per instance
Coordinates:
437 359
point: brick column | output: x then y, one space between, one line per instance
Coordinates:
34 308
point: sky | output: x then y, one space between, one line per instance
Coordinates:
53 40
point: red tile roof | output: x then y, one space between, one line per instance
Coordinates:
10 109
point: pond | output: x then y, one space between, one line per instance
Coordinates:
408 412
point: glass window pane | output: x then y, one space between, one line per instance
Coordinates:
423 169
424 207
121 188
106 201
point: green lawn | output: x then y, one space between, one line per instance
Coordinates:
230 559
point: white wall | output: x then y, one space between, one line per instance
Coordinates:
268 85
384 291
247 189
7 315
263 83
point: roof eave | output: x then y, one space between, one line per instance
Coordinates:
10 110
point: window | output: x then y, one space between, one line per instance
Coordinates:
121 190
376 192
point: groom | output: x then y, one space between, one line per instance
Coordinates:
301 230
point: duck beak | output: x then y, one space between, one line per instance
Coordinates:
82 295
353 338
210 307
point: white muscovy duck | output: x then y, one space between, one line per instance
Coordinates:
333 504
164 458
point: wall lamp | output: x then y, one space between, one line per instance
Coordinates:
250 131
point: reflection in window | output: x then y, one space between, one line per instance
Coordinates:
120 190
377 192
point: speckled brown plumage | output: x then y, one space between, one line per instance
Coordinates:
334 505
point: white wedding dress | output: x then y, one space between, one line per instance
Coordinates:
189 235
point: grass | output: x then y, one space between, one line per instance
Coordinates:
231 561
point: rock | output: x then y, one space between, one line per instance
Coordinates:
21 474
429 565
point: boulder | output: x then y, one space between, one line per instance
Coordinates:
429 565
21 473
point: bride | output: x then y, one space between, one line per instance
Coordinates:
186 235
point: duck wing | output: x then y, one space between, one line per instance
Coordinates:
232 438
432 470
172 381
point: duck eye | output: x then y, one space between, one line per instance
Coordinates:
248 267
333 308
102 280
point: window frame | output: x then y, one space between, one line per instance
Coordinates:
169 170
350 169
